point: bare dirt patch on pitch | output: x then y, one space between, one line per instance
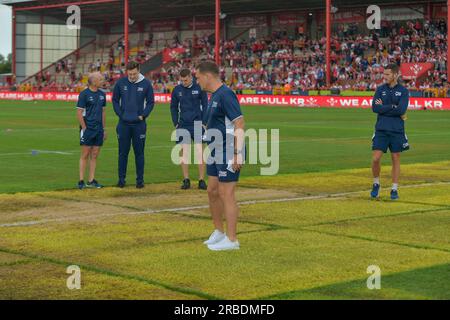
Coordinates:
43 207
33 207
154 197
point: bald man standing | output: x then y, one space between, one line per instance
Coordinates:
91 116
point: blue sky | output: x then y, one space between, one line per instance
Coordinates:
5 27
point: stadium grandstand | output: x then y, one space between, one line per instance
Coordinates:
261 51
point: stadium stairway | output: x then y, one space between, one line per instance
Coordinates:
82 58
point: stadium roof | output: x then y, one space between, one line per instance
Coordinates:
111 11
14 1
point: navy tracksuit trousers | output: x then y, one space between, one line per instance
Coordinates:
127 134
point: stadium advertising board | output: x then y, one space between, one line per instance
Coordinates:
403 13
271 100
354 16
163 25
290 19
201 23
250 21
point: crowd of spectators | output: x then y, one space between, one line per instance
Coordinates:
281 62
357 61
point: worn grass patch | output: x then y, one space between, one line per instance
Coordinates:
42 281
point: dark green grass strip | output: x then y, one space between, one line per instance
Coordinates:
15 263
399 214
90 201
110 273
398 243
419 203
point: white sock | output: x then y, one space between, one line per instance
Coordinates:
376 180
395 186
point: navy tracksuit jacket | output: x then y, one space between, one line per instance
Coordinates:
188 105
395 103
131 100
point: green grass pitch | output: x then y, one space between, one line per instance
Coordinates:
308 233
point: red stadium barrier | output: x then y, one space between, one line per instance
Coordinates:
293 101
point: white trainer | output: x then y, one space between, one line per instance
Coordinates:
225 244
215 237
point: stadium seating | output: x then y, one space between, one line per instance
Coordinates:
277 63
280 64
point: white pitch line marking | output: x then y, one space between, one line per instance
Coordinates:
53 152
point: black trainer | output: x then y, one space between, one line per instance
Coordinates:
94 184
81 184
140 185
186 184
202 185
121 184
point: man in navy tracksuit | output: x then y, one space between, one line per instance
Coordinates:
390 102
133 100
186 107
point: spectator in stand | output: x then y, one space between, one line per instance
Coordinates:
97 65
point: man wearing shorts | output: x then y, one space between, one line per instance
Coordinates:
225 136
187 107
91 116
390 102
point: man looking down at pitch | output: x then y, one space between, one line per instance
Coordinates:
91 117
225 137
133 100
187 108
